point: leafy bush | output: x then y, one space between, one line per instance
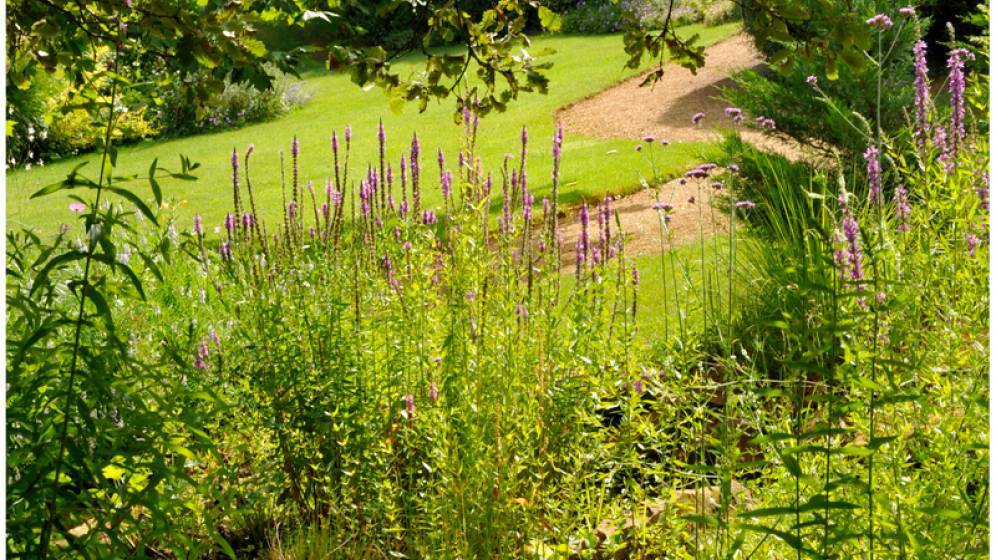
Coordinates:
841 117
593 17
186 110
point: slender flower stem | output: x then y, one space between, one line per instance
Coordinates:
46 533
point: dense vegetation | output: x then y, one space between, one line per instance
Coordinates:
407 359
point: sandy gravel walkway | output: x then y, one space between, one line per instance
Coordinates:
665 110
694 203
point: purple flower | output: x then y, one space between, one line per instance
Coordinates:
956 88
77 207
649 138
198 227
748 204
907 11
348 133
921 100
213 335
812 80
697 117
521 311
295 149
665 206
880 298
874 176
433 388
429 217
558 142
733 167
335 142
902 208
973 242
292 209
470 295
765 122
880 20
381 134
638 386
853 247
585 240
665 143
200 358
636 276
733 112
230 222
225 250
691 199
446 180
409 404
716 184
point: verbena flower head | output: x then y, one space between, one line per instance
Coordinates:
733 167
812 80
649 138
697 117
665 206
907 11
691 199
77 207
881 21
745 204
733 112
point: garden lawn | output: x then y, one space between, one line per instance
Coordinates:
583 65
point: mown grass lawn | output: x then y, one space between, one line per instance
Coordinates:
583 65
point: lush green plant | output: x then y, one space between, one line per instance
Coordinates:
594 17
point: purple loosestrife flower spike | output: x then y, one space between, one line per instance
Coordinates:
956 89
416 168
410 404
433 391
636 276
230 220
198 227
236 194
852 238
200 359
225 250
921 100
902 208
972 241
585 237
874 176
347 133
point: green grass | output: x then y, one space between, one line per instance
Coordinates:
695 263
583 65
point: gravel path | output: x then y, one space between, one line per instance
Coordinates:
665 110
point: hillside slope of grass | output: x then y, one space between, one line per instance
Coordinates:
582 65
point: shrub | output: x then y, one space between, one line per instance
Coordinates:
185 111
830 121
